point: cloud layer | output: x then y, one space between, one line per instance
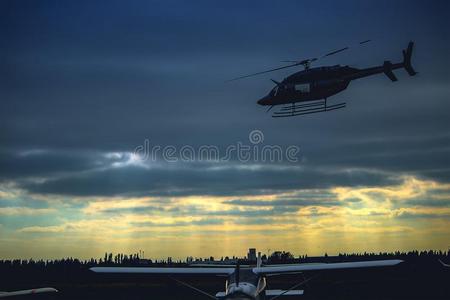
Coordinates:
83 84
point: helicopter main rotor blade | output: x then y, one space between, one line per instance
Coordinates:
335 52
306 62
325 55
267 71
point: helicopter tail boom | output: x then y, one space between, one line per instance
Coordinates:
387 67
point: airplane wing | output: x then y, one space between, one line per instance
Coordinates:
167 271
28 292
217 265
318 267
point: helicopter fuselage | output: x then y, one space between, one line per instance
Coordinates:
309 85
320 83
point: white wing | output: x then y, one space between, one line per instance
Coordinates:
284 293
211 271
206 265
318 267
27 292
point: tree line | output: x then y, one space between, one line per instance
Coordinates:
134 259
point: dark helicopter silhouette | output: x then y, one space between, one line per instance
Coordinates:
315 85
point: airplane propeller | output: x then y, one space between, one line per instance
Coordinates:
236 274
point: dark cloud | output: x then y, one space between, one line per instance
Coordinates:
425 216
141 209
196 211
258 213
84 79
296 202
426 202
193 179
202 222
421 156
47 163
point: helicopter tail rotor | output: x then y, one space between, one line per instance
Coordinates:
407 59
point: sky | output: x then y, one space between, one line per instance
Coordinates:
119 132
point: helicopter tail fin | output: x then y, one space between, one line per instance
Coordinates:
387 67
407 59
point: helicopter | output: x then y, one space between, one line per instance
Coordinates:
307 91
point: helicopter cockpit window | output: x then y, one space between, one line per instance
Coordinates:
274 91
303 88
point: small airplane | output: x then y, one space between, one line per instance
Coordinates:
28 292
312 87
246 283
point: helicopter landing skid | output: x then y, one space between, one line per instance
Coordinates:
306 109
